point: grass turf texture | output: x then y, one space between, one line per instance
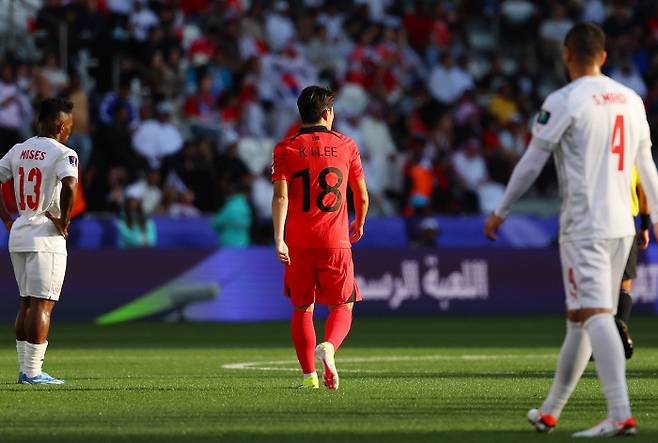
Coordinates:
422 379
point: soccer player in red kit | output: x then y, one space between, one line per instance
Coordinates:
310 172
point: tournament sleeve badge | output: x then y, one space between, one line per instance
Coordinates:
543 117
73 160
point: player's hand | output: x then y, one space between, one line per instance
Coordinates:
282 252
62 228
643 239
655 230
356 232
492 225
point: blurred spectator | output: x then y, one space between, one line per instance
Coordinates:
233 221
447 82
134 228
115 100
202 110
628 75
179 204
502 105
114 143
261 195
419 184
279 28
552 32
148 191
230 168
56 78
195 166
471 170
426 232
157 138
593 11
80 139
15 109
142 19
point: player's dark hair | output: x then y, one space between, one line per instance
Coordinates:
585 40
51 108
313 101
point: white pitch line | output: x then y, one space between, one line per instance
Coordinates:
272 365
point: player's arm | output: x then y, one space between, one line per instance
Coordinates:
646 169
4 214
357 182
551 123
5 175
66 199
279 213
361 202
524 175
645 218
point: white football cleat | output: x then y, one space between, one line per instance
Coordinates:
610 428
543 423
325 352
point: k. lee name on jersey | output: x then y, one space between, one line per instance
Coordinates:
327 151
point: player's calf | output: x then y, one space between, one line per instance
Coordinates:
625 336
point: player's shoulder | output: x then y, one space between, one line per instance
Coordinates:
632 96
51 143
560 98
283 144
344 139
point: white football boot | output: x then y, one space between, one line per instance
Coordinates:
610 428
325 352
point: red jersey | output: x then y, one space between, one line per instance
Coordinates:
318 164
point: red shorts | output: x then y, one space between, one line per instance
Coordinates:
324 276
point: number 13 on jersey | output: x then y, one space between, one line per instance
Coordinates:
32 200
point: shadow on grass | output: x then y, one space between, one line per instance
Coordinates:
411 332
322 436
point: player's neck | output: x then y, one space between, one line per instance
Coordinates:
315 125
576 72
43 135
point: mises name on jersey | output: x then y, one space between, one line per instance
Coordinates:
32 154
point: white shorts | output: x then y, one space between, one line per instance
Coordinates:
592 271
39 274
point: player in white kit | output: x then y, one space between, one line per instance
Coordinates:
45 175
596 130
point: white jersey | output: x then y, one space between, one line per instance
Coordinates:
37 166
595 128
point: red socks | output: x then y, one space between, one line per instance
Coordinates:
303 335
338 325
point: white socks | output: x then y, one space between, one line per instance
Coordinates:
312 374
20 350
610 364
33 358
573 359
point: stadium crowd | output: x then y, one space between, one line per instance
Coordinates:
178 103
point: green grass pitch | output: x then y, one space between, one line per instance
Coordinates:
415 380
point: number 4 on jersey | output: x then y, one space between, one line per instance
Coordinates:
617 141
